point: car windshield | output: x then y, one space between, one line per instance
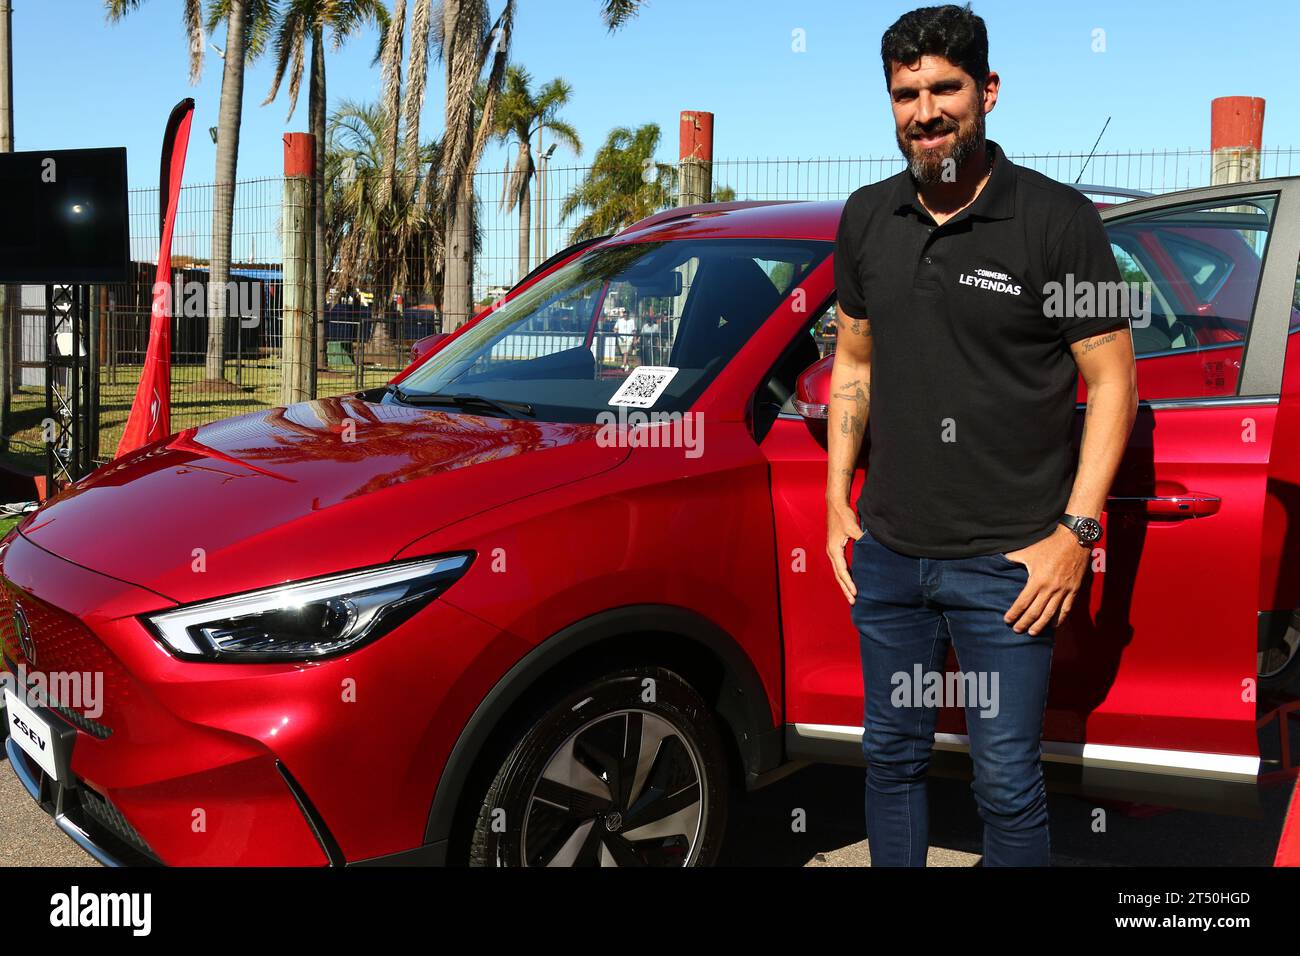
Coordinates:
643 324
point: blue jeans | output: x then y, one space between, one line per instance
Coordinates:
906 611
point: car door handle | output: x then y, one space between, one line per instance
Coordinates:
1190 505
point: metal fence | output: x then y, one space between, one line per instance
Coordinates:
1152 171
362 351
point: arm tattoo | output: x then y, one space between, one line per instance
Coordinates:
855 423
1088 345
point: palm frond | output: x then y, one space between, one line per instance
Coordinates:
616 13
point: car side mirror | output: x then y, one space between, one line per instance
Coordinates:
812 390
420 350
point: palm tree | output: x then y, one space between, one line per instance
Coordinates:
300 20
390 58
624 184
521 114
248 25
464 35
383 244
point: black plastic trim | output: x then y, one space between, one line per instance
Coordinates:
86 832
430 854
333 852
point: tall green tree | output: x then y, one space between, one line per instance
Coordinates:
464 36
624 184
300 21
520 114
382 240
248 26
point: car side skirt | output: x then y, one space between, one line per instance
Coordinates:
1221 783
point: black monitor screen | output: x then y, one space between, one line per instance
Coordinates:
63 216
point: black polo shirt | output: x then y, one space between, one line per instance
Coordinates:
972 382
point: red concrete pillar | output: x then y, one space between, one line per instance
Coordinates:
299 154
695 157
1236 136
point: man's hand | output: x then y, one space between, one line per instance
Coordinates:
841 524
1056 565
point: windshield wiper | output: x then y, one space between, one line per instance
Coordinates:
462 400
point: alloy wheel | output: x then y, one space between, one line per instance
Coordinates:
622 790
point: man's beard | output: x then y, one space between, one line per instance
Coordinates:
927 165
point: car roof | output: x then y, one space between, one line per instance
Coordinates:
786 218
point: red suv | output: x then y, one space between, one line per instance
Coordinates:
526 607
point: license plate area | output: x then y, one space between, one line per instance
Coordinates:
42 737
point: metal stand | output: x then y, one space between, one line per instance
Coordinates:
71 422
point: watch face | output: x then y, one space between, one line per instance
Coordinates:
1088 529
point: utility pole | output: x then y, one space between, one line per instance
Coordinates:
6 77
8 294
298 353
541 198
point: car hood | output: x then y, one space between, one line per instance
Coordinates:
294 492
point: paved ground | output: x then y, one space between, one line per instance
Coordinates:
27 836
832 798
760 832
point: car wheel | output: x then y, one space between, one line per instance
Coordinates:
626 770
1280 664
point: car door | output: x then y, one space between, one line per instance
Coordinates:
1159 674
1152 677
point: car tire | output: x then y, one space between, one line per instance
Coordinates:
1280 666
626 769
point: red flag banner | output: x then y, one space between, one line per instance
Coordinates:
151 414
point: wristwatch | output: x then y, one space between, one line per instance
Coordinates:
1087 530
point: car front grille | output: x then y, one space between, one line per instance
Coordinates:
101 810
64 645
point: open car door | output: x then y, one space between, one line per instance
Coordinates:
1154 674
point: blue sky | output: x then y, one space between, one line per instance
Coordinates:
80 81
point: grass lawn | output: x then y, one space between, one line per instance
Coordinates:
253 385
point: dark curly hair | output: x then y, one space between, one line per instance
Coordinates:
952 32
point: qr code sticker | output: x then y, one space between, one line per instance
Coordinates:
643 387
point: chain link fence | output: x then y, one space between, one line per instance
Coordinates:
367 341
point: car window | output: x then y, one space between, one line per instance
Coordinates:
1199 268
566 344
824 331
641 324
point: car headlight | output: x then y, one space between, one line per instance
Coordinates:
306 620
